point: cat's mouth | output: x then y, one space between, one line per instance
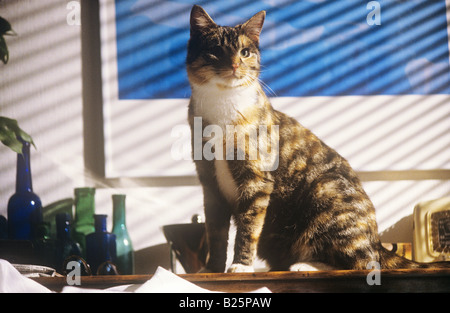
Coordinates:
232 78
232 75
232 82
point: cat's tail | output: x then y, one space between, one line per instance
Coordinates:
390 260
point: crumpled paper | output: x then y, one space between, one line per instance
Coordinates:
11 281
163 281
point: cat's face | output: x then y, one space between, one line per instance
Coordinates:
228 57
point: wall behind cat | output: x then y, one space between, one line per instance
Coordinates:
45 86
41 87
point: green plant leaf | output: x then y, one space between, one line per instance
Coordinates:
5 26
4 53
11 133
5 29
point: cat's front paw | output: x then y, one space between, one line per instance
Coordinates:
240 268
310 266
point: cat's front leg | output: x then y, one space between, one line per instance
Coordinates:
217 226
217 218
249 224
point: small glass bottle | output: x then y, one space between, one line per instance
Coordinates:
125 253
65 246
100 245
24 207
44 245
84 216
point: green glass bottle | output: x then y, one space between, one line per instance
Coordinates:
124 247
84 216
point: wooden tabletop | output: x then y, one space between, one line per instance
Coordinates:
404 280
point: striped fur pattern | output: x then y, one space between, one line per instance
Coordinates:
310 208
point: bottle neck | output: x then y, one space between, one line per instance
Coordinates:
63 226
84 205
100 223
118 210
23 176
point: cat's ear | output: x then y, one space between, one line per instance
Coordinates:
200 19
254 26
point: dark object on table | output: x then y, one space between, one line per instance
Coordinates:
188 243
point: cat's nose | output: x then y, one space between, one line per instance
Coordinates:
235 66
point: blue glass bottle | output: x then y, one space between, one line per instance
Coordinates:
24 207
125 253
65 246
100 245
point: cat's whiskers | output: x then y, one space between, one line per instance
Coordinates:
269 90
262 83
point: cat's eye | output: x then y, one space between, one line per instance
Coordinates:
245 52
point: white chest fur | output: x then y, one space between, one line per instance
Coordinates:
222 106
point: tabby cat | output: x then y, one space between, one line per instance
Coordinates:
304 205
